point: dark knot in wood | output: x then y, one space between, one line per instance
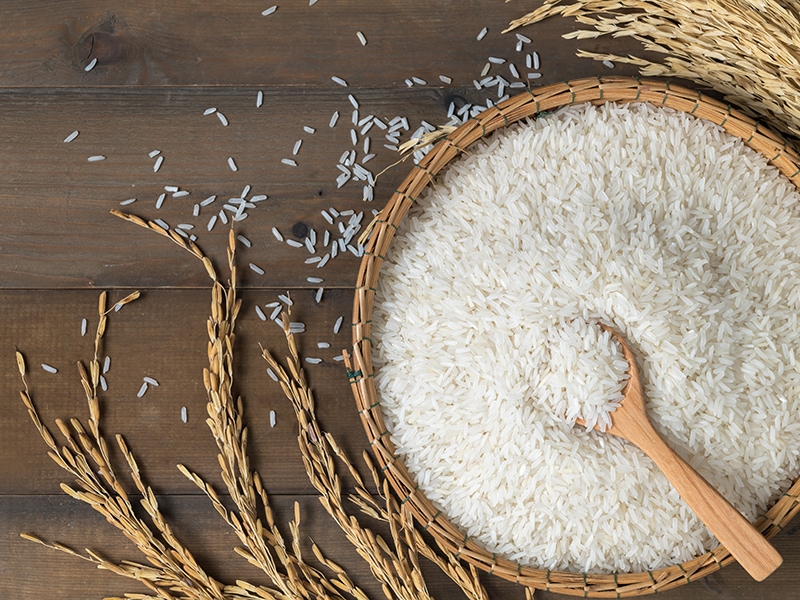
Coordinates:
108 48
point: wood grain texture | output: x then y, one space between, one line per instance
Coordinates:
50 43
160 65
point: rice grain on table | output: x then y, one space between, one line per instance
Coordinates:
232 164
222 118
84 326
49 368
184 414
654 221
91 65
71 137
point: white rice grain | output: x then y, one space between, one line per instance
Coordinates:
648 219
71 137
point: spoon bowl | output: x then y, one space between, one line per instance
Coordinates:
630 421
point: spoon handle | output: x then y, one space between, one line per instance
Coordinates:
751 549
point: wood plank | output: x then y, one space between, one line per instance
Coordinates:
195 523
50 43
58 577
163 335
54 204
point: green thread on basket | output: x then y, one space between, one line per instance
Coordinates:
727 114
377 439
431 521
776 156
369 408
390 224
796 173
653 579
463 542
421 168
752 135
404 195
353 375
638 93
407 498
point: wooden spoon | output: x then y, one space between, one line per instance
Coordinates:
629 421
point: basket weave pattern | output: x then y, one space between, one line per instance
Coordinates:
530 104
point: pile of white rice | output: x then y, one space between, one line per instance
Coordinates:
650 220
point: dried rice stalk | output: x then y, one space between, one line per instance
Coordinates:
745 49
85 456
173 572
396 568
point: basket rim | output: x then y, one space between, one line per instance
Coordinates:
531 103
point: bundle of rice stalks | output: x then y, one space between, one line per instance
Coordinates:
746 50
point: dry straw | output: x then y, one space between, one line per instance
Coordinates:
530 105
172 571
746 50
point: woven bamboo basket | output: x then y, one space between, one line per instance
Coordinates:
530 104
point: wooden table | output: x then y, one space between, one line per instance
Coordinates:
160 65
